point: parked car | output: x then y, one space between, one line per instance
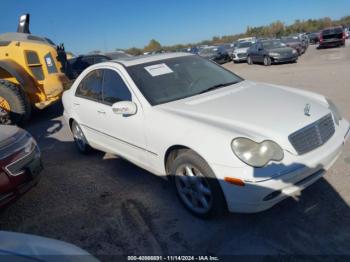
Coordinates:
240 52
222 141
303 38
26 247
347 32
314 37
20 163
271 51
216 54
294 43
229 48
331 37
79 64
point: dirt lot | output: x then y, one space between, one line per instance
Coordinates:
108 206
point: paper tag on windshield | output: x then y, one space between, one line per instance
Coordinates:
157 70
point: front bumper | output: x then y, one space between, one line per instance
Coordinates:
239 57
284 59
290 176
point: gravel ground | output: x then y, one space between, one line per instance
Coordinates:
108 206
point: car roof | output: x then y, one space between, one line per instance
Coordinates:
136 60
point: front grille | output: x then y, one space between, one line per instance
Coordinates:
18 167
242 55
313 135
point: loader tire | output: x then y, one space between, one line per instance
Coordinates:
15 108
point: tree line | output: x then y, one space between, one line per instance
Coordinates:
275 29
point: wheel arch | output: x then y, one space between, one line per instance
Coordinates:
9 68
173 151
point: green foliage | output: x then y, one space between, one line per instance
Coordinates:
153 46
134 51
275 29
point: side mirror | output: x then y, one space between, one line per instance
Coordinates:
126 108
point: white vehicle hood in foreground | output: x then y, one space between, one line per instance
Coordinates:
256 110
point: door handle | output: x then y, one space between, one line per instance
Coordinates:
101 112
76 104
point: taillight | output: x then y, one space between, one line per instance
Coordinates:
344 35
321 38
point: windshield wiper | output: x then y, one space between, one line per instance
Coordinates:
217 86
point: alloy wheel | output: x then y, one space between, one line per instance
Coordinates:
193 189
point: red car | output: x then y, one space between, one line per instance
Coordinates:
20 163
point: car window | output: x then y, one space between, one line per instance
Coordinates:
91 86
114 88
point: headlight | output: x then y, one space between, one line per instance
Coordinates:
256 154
274 54
294 51
335 111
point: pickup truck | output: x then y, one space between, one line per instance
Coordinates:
333 36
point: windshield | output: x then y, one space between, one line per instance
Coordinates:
176 78
271 44
244 44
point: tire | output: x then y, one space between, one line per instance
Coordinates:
18 106
267 61
202 186
249 60
79 139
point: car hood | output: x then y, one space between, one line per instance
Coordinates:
7 134
256 110
36 248
282 50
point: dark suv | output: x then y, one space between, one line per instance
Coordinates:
333 36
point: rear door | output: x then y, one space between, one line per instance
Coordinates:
88 97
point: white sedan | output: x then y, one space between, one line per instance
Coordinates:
226 143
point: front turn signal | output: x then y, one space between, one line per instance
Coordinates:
234 181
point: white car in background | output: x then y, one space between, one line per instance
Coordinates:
225 143
240 52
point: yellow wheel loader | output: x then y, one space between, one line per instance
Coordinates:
31 73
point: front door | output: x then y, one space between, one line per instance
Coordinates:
123 135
